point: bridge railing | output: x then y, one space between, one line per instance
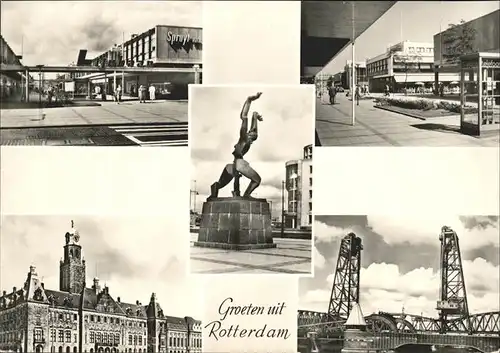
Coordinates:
393 340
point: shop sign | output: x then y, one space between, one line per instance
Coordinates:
173 38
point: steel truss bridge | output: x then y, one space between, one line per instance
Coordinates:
455 325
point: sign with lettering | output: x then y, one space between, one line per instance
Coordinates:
173 38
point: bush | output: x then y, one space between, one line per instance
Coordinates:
424 104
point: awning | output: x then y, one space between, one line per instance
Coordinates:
414 79
327 28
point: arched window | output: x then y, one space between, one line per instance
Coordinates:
60 349
91 350
75 350
68 349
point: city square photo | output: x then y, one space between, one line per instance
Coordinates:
403 73
107 73
97 284
251 170
403 283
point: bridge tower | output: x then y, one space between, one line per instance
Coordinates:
345 290
452 305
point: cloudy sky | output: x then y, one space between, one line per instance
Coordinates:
416 21
288 114
400 262
134 257
52 32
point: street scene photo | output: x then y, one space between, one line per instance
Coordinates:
407 284
251 170
109 73
91 284
403 73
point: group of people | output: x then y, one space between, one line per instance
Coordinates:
118 92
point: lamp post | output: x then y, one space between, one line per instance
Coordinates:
353 78
282 208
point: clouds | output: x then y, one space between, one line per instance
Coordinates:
400 262
134 257
53 32
215 124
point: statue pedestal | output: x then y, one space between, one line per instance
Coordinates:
235 223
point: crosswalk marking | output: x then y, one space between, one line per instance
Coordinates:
135 132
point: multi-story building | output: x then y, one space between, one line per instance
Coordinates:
404 65
161 46
11 82
299 183
80 319
485 38
361 78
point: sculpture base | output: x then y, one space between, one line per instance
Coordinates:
235 223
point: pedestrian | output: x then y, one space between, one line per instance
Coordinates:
118 94
142 94
152 92
357 94
386 91
332 92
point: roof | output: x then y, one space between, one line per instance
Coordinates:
356 318
63 299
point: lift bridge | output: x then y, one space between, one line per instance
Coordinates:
324 331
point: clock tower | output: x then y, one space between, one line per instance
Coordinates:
72 266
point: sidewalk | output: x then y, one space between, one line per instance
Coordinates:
376 127
108 113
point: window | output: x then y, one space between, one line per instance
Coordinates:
140 340
98 319
105 339
310 181
92 318
135 340
75 317
310 206
68 336
98 337
61 316
74 338
310 219
310 194
105 319
310 169
53 335
92 337
38 334
130 339
61 336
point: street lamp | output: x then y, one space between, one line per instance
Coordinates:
282 208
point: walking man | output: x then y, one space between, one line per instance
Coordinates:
332 91
142 94
357 95
240 166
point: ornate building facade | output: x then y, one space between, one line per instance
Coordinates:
80 319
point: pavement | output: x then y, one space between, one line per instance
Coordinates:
377 127
155 123
291 256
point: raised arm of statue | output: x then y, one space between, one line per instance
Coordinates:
244 113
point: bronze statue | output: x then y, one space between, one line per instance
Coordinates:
241 167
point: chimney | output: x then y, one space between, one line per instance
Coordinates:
32 270
137 302
4 293
14 289
133 36
96 287
43 285
118 299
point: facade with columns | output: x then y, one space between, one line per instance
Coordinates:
80 319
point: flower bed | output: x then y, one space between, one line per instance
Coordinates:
424 104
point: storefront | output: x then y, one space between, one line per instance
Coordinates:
480 93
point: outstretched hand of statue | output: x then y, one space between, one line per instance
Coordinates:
255 96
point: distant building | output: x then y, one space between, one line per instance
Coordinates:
299 181
11 83
486 39
160 46
406 64
361 78
80 319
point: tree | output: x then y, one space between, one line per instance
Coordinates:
458 40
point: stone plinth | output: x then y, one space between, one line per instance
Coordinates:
235 223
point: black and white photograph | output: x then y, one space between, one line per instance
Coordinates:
96 284
252 177
98 73
402 283
403 73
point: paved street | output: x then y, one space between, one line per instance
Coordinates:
159 123
292 256
376 127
